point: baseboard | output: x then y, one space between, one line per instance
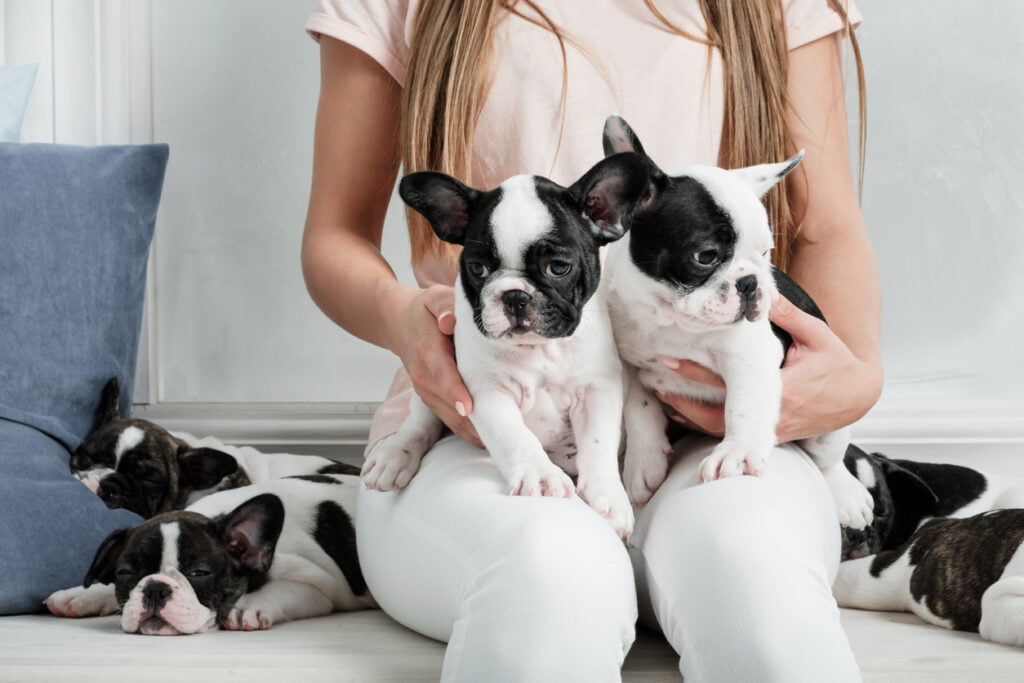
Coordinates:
318 425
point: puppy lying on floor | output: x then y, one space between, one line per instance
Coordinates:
942 545
241 559
138 465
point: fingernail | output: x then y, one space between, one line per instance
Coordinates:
670 363
441 317
460 408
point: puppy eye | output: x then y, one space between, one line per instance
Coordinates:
706 258
477 269
198 573
558 269
125 572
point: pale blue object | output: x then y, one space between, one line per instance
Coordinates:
75 229
15 87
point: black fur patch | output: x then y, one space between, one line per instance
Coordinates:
338 468
956 560
336 535
316 478
954 485
684 220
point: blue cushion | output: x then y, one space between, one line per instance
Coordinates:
75 225
15 87
50 523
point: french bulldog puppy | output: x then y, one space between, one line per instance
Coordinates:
534 343
692 279
907 493
241 559
965 574
138 465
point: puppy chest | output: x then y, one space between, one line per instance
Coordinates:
547 413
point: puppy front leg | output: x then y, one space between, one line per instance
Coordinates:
854 503
752 402
597 425
516 450
647 447
97 600
278 601
394 461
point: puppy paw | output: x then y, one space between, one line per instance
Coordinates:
247 619
854 502
391 466
542 480
610 501
98 600
643 475
731 459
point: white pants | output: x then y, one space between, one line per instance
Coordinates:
736 573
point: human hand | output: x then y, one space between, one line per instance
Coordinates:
423 342
824 385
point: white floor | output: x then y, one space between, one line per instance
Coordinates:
367 646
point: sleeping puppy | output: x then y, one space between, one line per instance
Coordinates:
138 465
942 545
963 574
534 343
907 492
692 279
242 559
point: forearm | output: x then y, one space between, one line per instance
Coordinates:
841 274
350 281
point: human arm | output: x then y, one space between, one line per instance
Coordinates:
355 162
832 374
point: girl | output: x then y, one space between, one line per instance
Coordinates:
735 573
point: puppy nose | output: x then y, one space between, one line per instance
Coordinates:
515 302
747 286
155 594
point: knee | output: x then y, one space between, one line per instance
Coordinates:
573 560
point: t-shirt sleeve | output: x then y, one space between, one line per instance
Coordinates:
378 28
808 20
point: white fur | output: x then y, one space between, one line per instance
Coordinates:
653 321
127 440
1002 605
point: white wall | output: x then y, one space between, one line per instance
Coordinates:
233 88
943 197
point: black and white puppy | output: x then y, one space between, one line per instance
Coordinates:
907 493
534 344
242 559
138 465
943 545
693 280
965 574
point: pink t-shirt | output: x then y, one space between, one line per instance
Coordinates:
621 60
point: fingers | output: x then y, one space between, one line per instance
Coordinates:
694 414
694 371
804 327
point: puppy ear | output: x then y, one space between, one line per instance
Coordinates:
764 177
618 137
610 192
109 552
252 529
203 468
907 488
442 200
110 402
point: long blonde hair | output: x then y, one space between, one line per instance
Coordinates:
449 75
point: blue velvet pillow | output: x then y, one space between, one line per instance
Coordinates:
75 228
50 524
15 87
